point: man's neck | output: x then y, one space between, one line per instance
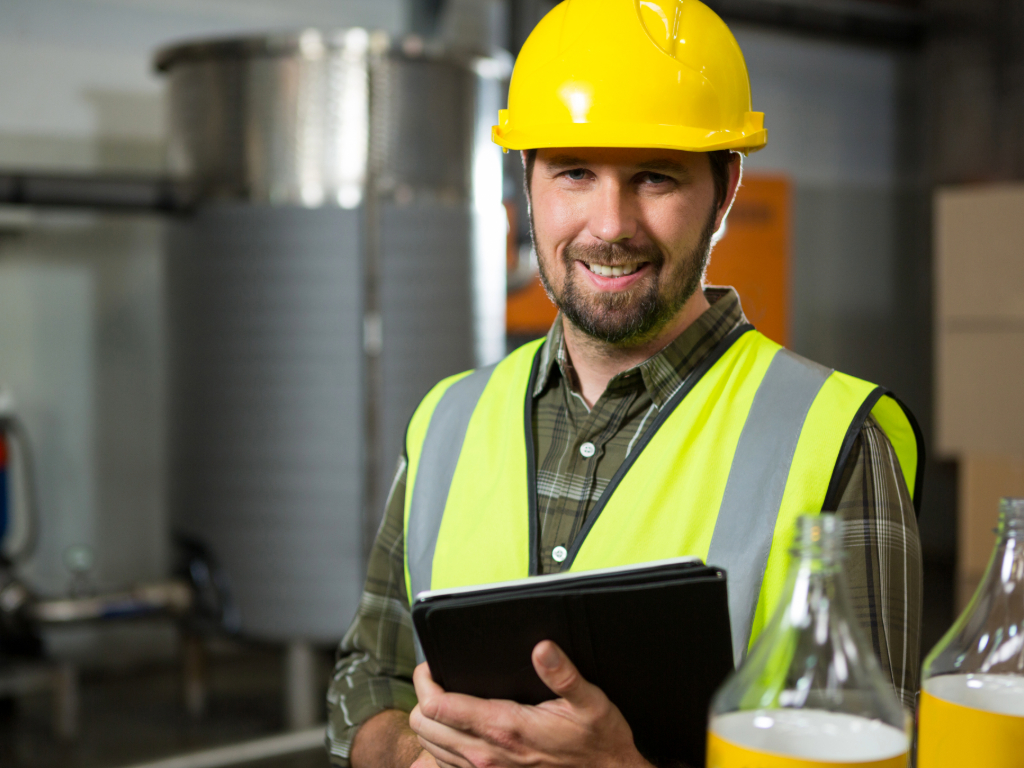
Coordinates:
595 362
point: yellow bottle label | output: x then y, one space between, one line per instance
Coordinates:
725 754
954 736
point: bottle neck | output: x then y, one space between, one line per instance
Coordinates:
815 574
1011 517
986 637
1007 564
817 584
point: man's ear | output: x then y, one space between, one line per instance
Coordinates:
524 155
735 177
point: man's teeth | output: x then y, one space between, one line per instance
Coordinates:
603 271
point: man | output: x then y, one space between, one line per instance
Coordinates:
652 422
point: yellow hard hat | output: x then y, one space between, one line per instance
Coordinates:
630 73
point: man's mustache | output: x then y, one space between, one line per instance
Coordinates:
614 254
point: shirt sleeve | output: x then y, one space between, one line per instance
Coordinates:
883 557
376 658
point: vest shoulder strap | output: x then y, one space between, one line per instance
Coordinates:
904 434
742 541
434 440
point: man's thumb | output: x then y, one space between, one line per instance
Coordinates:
558 673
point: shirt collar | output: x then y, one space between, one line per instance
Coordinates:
663 373
553 356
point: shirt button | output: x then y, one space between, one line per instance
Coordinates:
587 450
558 554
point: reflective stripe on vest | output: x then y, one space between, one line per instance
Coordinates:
755 434
757 479
441 447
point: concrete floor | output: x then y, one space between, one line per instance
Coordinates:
137 715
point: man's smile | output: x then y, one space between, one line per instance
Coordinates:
617 270
613 277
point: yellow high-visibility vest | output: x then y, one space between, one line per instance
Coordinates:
755 436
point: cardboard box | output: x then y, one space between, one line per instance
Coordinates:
983 480
979 320
979 359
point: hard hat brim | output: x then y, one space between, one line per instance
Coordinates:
629 135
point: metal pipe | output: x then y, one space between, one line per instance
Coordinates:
170 596
125 193
302 699
246 751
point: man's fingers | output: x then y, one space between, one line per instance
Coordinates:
446 744
447 735
427 691
464 713
424 682
445 758
427 760
559 674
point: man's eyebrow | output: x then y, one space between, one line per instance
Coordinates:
658 165
565 161
664 165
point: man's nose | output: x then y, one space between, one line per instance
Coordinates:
612 216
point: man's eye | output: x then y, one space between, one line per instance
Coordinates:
657 178
577 174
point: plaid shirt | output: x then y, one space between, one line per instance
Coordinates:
883 565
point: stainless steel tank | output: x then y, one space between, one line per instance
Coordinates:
348 252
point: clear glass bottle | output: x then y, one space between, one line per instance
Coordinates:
972 691
810 692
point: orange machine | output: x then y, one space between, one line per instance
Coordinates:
752 256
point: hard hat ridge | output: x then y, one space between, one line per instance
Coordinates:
630 73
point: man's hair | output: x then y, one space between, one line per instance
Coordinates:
720 160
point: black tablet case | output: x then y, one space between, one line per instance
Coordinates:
655 639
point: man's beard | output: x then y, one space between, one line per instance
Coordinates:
635 315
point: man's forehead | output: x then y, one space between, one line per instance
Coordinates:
641 159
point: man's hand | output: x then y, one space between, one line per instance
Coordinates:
581 728
425 760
